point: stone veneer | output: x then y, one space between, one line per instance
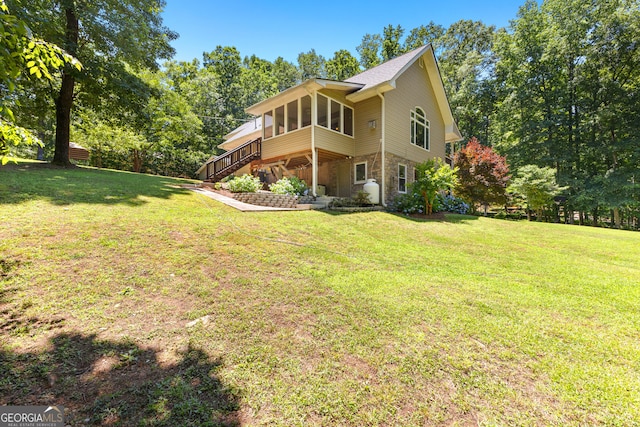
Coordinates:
267 199
391 164
374 171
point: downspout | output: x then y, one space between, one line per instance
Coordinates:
314 154
383 184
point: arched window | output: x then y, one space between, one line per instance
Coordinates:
419 128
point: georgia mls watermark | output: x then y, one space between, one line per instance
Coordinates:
31 416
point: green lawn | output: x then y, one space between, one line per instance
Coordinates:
305 318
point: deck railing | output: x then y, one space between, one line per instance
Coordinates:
229 162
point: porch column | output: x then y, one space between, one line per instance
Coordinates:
314 170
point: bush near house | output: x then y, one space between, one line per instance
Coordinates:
245 184
413 203
293 186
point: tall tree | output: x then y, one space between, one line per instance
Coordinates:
369 50
342 66
423 35
285 73
391 46
22 56
112 38
311 65
466 63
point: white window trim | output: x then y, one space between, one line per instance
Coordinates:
406 178
355 174
342 107
286 119
427 126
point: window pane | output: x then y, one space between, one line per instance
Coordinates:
426 137
335 116
322 111
413 132
279 123
292 115
361 172
348 121
420 135
305 107
268 124
402 178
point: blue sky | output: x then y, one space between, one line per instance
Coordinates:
285 28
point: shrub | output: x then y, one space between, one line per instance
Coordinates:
360 200
245 184
449 203
293 186
409 203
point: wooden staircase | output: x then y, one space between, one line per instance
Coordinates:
229 162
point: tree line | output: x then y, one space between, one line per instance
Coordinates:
556 89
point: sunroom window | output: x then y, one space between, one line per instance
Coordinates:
279 124
335 116
305 110
322 111
268 124
292 115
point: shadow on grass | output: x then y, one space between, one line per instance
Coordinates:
117 383
61 186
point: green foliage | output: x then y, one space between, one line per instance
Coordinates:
311 65
113 39
342 66
361 199
433 176
407 203
22 54
245 184
537 186
293 186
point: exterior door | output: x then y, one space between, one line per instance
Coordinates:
344 179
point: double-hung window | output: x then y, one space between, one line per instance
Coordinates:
402 178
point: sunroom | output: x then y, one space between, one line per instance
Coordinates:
304 129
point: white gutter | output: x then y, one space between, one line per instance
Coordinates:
382 149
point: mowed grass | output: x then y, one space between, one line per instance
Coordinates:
305 318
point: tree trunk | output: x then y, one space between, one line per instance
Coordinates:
64 101
616 218
137 161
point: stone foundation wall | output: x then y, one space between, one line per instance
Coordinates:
391 164
268 199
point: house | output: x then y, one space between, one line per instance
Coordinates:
336 135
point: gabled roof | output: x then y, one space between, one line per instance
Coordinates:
243 131
375 81
382 78
387 72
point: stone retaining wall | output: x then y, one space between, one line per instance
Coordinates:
268 199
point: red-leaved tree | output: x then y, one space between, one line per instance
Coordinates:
483 174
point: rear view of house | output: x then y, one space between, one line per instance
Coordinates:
337 135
